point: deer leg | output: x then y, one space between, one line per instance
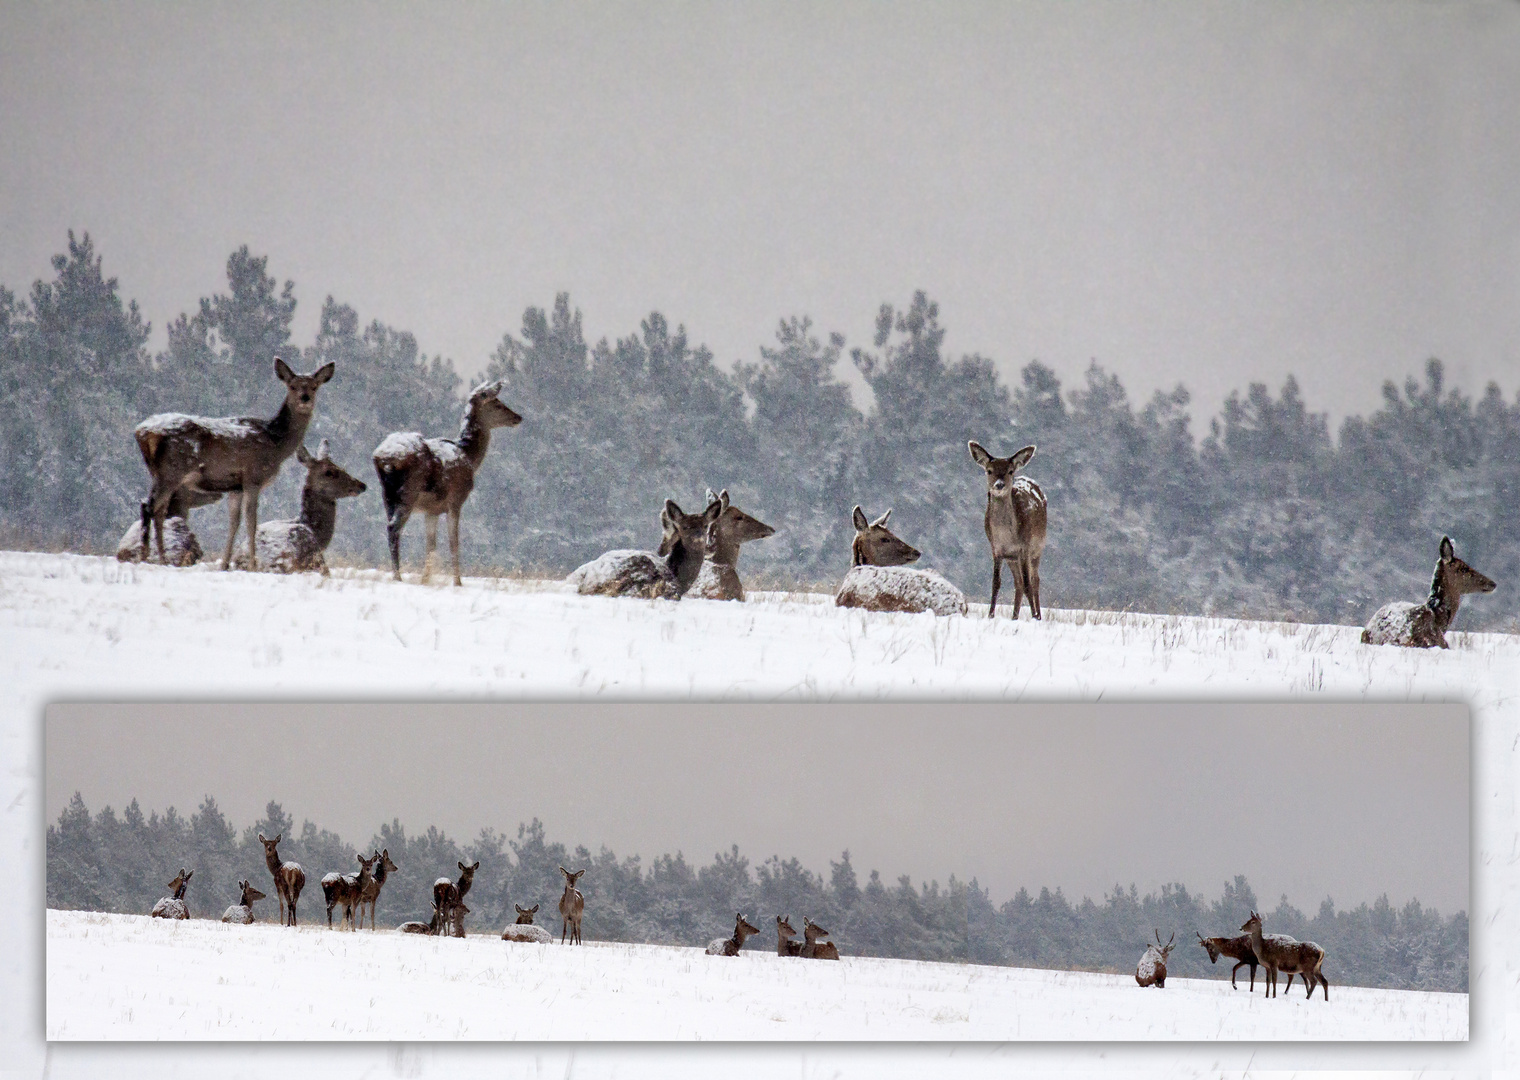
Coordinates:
251 497
997 583
395 521
454 542
1018 584
432 546
1032 585
234 519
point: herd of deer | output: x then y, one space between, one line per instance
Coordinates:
1275 952
193 461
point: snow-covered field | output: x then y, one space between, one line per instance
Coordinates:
132 977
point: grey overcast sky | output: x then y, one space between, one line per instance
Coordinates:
1347 801
1210 193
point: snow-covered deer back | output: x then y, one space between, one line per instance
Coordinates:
1151 970
1424 626
719 577
1278 952
291 546
665 574
174 906
878 580
242 911
1015 525
730 946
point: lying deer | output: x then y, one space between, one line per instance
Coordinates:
1423 626
288 547
370 894
436 476
289 879
242 911
1015 525
879 581
719 577
664 574
1151 971
730 946
181 548
524 930
1236 948
447 893
415 927
235 457
344 889
174 906
572 905
786 943
812 947
1278 952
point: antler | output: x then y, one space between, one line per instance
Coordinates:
1170 939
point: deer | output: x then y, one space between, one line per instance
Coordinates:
1278 952
1151 971
524 930
457 911
572 905
719 577
436 476
344 889
370 894
174 905
663 574
415 927
236 457
180 545
1236 948
447 893
813 948
730 946
786 943
289 547
880 580
289 879
1423 626
1015 525
242 911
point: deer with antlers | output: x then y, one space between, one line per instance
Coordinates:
1279 952
1423 626
1015 525
730 946
880 580
174 906
242 911
572 905
289 879
719 577
1151 971
1236 948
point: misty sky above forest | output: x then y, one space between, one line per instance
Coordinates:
1210 193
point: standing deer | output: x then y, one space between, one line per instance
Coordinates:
730 946
447 893
289 879
879 581
664 574
174 905
235 457
242 911
1015 525
1151 971
292 546
457 912
813 948
1423 626
345 889
786 938
719 577
524 930
572 905
1236 948
1278 952
180 545
436 476
370 894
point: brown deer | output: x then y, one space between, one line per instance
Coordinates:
242 911
415 927
370 894
345 889
524 930
447 893
235 457
879 581
457 911
1236 948
1423 626
1278 952
572 905
664 574
181 548
812 947
730 946
786 938
719 577
436 476
1151 971
525 915
1015 525
174 905
288 547
289 879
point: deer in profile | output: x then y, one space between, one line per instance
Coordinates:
730 946
292 546
572 905
436 476
242 911
1236 948
1278 952
786 938
236 457
880 580
415 927
345 889
1015 525
719 577
289 879
174 906
812 947
181 548
664 574
447 893
1151 971
1423 626
370 894
524 930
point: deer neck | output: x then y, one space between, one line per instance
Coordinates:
319 513
273 862
1258 947
474 439
857 553
1443 600
379 874
725 551
682 564
288 428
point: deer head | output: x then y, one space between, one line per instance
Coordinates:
301 390
695 532
180 880
1456 577
525 915
1000 470
385 861
734 527
571 879
248 894
1164 950
1208 946
488 410
877 545
1253 923
784 927
326 478
742 927
811 930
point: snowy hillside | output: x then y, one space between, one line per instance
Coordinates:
131 977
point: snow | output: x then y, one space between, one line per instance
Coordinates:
899 588
625 572
131 977
398 446
197 427
1394 623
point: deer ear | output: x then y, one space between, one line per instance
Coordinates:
710 497
1021 459
882 521
671 510
859 518
723 498
261 839
714 510
462 866
303 456
282 371
323 451
1448 552
978 453
325 372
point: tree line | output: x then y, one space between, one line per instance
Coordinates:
106 862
